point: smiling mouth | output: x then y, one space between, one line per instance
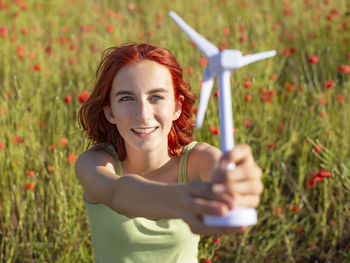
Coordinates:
144 130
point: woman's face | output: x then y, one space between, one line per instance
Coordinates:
142 105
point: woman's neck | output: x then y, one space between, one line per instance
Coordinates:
142 163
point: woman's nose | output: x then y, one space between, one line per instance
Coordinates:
144 111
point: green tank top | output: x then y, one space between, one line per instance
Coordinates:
117 238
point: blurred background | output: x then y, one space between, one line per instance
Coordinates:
292 109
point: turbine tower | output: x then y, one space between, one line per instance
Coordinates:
222 64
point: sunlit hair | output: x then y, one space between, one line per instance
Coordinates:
91 115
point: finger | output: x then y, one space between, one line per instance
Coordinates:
203 190
242 153
246 201
240 173
198 227
207 207
250 187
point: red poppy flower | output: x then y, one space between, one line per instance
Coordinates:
318 148
37 67
248 97
189 71
248 84
30 173
344 69
329 84
83 96
2 146
321 175
203 62
340 98
246 123
30 186
214 130
217 93
207 260
67 99
131 6
71 158
226 31
63 141
110 28
4 31
217 240
313 59
52 146
51 169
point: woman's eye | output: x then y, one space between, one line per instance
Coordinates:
157 97
126 98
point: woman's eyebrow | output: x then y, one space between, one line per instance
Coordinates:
127 92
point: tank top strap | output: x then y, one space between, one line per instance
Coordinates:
182 175
110 148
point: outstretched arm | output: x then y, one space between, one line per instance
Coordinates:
133 196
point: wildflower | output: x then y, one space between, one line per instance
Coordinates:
72 60
17 139
2 111
71 158
277 211
216 93
313 59
52 146
51 169
246 123
340 98
37 67
243 38
30 173
289 87
83 96
248 97
298 230
241 28
323 101
318 148
214 130
67 99
4 31
329 84
273 76
49 50
30 186
324 114
344 69
294 208
110 28
281 126
207 260
42 124
32 55
2 146
272 146
248 84
189 71
320 176
21 51
63 141
131 6
226 31
203 62
286 52
287 11
217 240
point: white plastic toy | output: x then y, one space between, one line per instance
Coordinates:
222 64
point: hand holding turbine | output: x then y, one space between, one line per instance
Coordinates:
221 65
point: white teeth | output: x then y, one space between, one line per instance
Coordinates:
146 130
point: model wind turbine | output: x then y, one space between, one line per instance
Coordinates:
222 64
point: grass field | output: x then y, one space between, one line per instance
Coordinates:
293 109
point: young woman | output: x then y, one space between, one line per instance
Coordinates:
147 182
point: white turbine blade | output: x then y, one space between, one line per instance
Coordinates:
207 86
255 57
203 44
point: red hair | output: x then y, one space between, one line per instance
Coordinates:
91 115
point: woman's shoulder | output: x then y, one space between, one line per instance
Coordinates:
202 158
97 156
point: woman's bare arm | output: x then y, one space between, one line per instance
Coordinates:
133 195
